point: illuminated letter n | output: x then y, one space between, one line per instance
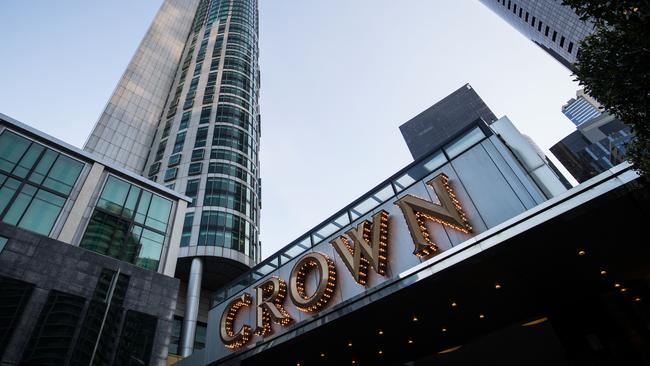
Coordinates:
448 213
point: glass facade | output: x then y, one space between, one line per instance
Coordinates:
136 340
210 135
35 182
14 295
129 224
199 338
99 333
51 338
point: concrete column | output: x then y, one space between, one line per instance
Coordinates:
171 257
73 222
191 307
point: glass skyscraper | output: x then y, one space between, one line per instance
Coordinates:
555 28
186 115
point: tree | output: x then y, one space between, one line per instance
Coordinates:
613 65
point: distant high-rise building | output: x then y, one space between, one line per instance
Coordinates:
554 27
582 108
447 118
594 147
185 114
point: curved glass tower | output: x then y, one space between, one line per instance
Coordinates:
206 146
185 114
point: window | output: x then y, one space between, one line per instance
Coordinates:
34 209
185 120
168 126
129 224
35 183
201 137
51 339
3 242
198 154
177 327
195 168
562 41
170 174
228 169
154 168
199 336
14 294
526 18
546 31
532 23
224 192
554 35
464 142
222 154
539 26
230 137
98 333
161 150
178 144
192 190
197 68
570 47
233 115
223 229
174 160
175 339
187 229
136 340
205 115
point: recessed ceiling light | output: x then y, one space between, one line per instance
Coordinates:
410 341
380 332
497 285
443 329
415 318
637 299
535 322
617 285
452 349
623 289
381 352
481 316
349 344
453 304
322 354
581 252
603 272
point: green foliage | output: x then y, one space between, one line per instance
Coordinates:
613 65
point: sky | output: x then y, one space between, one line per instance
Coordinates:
338 79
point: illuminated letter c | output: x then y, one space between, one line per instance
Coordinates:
231 339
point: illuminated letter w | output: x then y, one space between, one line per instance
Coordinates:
368 247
